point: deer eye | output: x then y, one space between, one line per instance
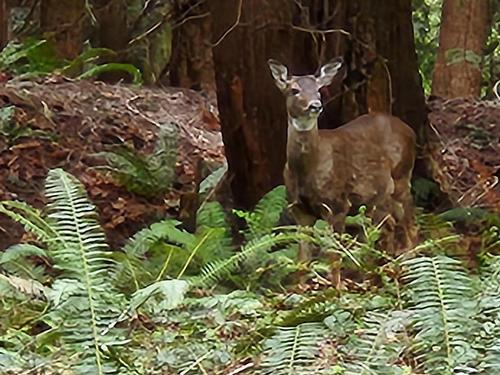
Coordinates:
295 91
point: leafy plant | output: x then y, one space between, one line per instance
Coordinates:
83 298
34 57
293 350
148 175
171 301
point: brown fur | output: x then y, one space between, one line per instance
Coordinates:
368 161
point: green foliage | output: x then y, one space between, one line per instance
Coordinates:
147 175
293 350
176 294
379 345
113 67
491 61
12 130
441 295
426 22
266 213
35 57
80 299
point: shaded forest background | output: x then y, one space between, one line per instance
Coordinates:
165 116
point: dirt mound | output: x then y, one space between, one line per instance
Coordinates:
464 150
59 123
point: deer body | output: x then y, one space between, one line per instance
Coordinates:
368 161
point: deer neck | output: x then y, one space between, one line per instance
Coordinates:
302 147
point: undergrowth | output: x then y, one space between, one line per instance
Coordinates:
174 302
37 57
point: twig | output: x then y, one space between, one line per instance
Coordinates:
148 31
239 370
93 18
190 18
316 31
196 363
495 90
232 27
139 113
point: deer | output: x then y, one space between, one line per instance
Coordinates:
329 172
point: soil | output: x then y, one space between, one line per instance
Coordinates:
464 150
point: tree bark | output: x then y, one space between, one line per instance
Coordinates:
252 109
113 32
463 34
4 24
62 21
192 64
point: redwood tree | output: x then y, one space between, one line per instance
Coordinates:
4 24
63 21
463 33
192 64
246 34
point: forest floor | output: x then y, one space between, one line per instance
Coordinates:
61 123
464 151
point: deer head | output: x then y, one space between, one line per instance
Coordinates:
303 99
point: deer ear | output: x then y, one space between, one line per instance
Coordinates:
280 74
328 71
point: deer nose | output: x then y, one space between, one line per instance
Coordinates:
315 106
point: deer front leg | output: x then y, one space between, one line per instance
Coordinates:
301 217
336 220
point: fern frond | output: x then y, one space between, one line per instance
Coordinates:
315 308
293 350
266 213
131 260
29 217
216 271
488 317
441 298
14 260
84 259
378 346
212 214
149 175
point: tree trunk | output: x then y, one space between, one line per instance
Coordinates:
252 110
62 21
4 24
113 32
192 64
463 34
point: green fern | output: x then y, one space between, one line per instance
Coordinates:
83 298
132 264
84 259
220 269
149 175
441 299
293 350
266 214
15 259
378 346
488 316
31 218
212 214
